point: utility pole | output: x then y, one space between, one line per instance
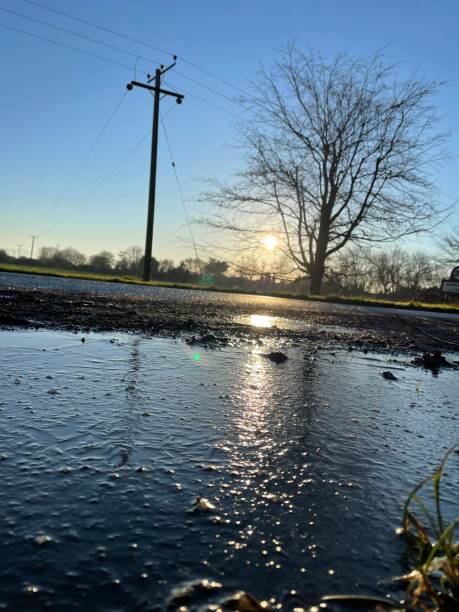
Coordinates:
33 236
157 91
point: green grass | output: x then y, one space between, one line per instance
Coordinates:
434 582
332 298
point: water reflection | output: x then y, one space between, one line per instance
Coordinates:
260 321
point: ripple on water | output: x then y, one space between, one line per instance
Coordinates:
148 471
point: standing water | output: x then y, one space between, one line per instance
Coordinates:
131 466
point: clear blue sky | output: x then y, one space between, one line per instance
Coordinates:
55 100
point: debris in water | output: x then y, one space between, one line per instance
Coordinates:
41 540
388 375
203 505
30 589
272 497
244 602
376 603
184 594
275 356
432 361
52 391
17 381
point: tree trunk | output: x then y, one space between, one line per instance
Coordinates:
318 267
317 275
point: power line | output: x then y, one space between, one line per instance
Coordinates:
101 182
203 100
135 40
67 31
179 187
61 44
83 161
104 59
115 48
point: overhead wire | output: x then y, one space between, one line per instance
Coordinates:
203 100
66 46
135 40
109 61
115 48
100 182
83 161
180 191
122 65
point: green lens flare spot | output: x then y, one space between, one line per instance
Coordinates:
197 357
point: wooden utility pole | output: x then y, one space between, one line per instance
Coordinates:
33 236
158 93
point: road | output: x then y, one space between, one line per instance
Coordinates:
79 304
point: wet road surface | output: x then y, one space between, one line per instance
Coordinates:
303 467
40 301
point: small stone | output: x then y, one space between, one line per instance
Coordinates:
52 391
388 375
277 357
203 505
41 540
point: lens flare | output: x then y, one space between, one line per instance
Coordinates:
270 242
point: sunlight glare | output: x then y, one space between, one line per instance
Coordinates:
260 321
270 242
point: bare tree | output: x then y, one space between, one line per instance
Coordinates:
73 256
419 271
353 269
387 270
335 152
450 248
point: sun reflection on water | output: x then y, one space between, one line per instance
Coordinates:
260 321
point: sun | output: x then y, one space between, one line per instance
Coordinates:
270 242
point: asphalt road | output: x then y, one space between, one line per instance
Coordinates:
42 301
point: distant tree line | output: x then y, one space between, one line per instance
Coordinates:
393 273
128 262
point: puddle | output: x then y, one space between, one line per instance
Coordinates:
301 469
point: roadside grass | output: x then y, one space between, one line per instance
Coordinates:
330 298
431 547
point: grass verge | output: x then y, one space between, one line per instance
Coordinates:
331 298
432 549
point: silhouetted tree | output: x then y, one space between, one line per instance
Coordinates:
102 262
4 257
449 245
73 256
336 152
419 271
215 267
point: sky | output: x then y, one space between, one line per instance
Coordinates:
55 102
